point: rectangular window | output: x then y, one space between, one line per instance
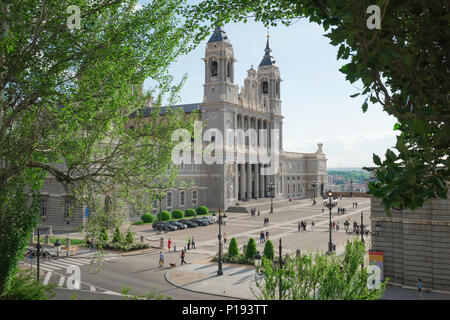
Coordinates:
194 198
67 208
169 200
44 207
182 196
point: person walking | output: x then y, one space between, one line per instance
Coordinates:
267 235
419 287
299 226
161 259
312 225
261 236
169 244
193 242
224 238
92 244
267 222
304 226
337 226
188 240
259 213
183 255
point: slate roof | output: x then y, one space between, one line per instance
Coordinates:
218 35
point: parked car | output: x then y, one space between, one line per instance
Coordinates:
200 222
210 220
164 226
189 223
178 224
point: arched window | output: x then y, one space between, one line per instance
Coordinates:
228 69
214 68
265 87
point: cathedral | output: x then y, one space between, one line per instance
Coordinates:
254 108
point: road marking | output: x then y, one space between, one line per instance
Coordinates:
61 281
47 278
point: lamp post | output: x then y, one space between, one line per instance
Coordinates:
219 270
314 185
351 187
330 205
271 188
160 216
38 251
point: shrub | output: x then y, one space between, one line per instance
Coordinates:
25 286
148 218
251 249
103 235
126 247
189 213
129 239
268 250
117 238
233 249
165 216
177 214
202 210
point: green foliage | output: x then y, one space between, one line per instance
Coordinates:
103 235
147 218
148 296
24 286
268 250
237 259
202 210
250 251
318 277
129 238
233 249
189 213
165 216
401 68
123 247
117 237
177 214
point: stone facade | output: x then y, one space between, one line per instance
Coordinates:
415 244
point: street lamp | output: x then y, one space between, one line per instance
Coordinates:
330 205
271 188
351 187
314 185
57 245
220 271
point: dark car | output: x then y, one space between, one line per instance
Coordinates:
164 226
189 223
200 221
178 224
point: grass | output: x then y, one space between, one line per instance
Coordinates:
73 242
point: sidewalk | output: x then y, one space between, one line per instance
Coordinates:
201 276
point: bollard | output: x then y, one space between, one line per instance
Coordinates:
298 253
142 238
47 240
161 243
50 231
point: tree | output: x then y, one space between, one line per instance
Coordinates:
403 67
129 238
233 249
268 250
66 97
117 237
318 277
250 251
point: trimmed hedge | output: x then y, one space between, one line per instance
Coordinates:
129 239
250 251
177 214
117 238
148 218
165 216
189 213
202 210
233 249
268 250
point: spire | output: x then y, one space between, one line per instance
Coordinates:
267 59
218 35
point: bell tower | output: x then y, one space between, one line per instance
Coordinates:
269 82
219 69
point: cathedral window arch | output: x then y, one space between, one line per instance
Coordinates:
228 69
214 68
265 86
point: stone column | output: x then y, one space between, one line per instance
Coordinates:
249 181
242 180
256 180
261 181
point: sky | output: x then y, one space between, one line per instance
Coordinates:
316 102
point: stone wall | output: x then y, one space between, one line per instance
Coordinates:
416 244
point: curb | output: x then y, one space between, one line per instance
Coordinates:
167 277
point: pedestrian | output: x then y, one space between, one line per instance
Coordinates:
182 257
337 226
419 287
356 204
224 238
267 235
193 242
161 259
188 240
312 225
264 224
267 222
224 219
261 236
169 244
92 244
259 213
299 226
304 226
